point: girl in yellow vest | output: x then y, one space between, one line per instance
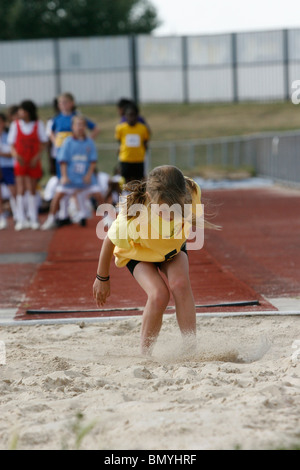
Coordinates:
151 243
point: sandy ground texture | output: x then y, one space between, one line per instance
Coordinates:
85 386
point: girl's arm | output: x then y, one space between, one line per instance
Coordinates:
52 137
101 289
95 132
64 173
43 139
88 176
16 156
119 148
37 157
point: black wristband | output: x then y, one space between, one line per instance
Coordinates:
102 278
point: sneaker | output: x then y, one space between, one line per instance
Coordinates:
34 225
21 226
82 222
48 225
3 223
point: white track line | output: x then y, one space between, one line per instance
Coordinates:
56 321
7 314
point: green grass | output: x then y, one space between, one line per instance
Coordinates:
174 122
195 121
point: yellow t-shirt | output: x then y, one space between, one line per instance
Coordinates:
132 142
61 137
149 237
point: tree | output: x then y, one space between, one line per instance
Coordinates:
32 19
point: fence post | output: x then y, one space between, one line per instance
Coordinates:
286 76
133 67
224 150
235 88
57 70
185 69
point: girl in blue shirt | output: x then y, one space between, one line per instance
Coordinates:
61 128
78 158
62 124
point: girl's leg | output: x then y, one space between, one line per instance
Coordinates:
1 204
82 197
55 203
21 219
31 184
63 213
2 219
177 272
54 207
158 295
13 200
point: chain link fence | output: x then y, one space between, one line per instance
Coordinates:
271 155
233 67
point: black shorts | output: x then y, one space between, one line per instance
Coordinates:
132 171
133 262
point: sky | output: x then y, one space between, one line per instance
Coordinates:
180 17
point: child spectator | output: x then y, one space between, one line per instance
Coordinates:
122 104
6 171
78 158
62 124
27 138
12 113
133 137
61 129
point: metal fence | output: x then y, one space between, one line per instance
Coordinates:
211 68
272 155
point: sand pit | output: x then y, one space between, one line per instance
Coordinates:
85 386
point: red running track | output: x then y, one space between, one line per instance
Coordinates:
256 254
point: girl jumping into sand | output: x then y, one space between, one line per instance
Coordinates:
152 244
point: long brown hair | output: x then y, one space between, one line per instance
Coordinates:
164 184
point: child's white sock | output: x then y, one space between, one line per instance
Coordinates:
20 209
26 205
13 206
63 208
3 221
32 208
81 199
51 218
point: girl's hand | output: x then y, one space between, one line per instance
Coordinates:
87 179
101 290
20 160
34 161
64 180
